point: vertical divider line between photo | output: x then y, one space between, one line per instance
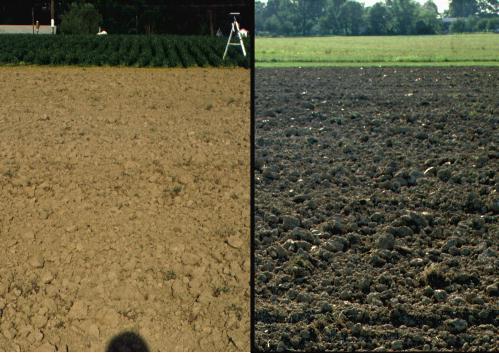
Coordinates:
252 179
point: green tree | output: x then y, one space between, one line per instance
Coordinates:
431 7
471 23
117 17
427 21
463 8
488 7
404 14
379 19
351 17
481 25
280 17
330 21
81 19
259 15
308 13
458 27
493 24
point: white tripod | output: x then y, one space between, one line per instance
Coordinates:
235 31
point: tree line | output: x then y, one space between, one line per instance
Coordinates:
195 17
200 17
391 17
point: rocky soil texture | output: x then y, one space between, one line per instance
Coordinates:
377 209
124 206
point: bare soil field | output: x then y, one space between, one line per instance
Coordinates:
124 205
376 203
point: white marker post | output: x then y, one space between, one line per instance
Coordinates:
52 15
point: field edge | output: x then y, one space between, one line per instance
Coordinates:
298 64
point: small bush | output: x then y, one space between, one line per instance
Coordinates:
458 27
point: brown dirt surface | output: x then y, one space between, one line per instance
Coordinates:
124 206
376 209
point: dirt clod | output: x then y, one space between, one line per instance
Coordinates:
36 261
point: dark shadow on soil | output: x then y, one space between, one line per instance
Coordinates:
127 342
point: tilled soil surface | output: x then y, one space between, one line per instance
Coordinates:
377 209
124 205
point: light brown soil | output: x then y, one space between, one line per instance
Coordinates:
124 205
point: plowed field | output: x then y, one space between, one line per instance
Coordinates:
377 209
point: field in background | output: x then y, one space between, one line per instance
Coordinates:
119 50
439 50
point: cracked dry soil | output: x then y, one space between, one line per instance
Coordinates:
124 205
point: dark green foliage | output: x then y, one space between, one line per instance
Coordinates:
493 24
42 57
197 54
183 52
475 24
459 26
113 50
212 55
171 54
158 53
463 8
81 19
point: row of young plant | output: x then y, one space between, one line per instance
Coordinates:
119 50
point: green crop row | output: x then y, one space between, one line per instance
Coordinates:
119 50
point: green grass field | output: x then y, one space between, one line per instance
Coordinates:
439 50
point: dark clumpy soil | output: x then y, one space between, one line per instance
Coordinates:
376 209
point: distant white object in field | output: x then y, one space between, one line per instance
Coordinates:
101 32
244 32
